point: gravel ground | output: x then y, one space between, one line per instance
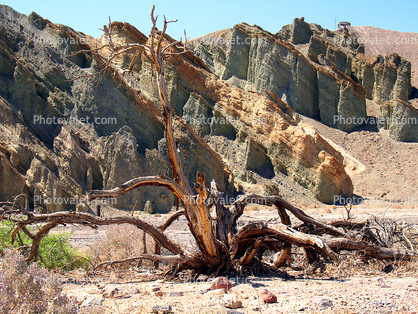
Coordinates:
334 291
359 294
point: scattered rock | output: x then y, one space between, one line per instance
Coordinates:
221 283
134 290
122 295
155 288
388 268
230 301
158 293
92 300
164 309
267 297
175 294
110 292
324 303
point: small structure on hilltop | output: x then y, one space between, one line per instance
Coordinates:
343 24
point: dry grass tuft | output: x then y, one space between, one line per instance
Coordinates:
121 241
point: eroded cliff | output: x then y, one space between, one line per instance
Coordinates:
65 132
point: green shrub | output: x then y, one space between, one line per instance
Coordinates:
55 250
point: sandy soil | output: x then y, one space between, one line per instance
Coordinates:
334 290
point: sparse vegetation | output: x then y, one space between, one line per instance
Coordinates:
30 289
55 250
121 242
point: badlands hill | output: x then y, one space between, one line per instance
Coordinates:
379 41
244 115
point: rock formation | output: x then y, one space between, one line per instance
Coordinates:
384 78
263 138
314 79
401 119
63 132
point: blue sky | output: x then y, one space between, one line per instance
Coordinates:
199 18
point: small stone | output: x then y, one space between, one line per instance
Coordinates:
155 288
231 302
384 286
324 303
122 295
164 309
134 290
267 297
110 293
221 283
92 300
388 268
216 292
203 291
175 294
158 293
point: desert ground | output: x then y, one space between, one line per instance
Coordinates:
354 286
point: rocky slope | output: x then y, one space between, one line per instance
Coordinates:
63 133
256 60
375 72
379 41
319 73
108 134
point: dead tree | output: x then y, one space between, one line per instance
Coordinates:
222 246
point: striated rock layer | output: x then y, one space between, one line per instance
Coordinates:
385 78
319 73
401 119
63 133
264 132
316 83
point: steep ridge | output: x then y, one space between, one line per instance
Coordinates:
378 41
64 132
66 135
320 74
256 60
266 139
